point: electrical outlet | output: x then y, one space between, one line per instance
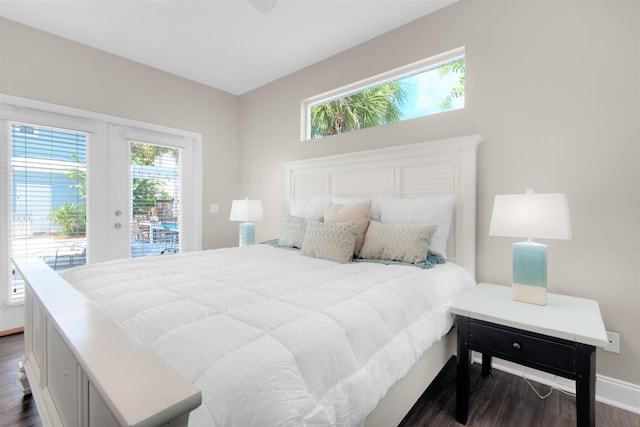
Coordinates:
614 342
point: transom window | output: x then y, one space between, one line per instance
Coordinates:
431 86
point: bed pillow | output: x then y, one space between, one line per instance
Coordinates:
397 242
375 204
292 229
358 213
310 207
331 241
436 210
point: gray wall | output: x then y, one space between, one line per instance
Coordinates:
550 85
43 67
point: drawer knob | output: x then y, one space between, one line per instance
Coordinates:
516 346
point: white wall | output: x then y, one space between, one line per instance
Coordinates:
552 87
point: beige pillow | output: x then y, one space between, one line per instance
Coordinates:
334 241
358 213
397 242
292 230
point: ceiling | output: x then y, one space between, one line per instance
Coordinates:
233 45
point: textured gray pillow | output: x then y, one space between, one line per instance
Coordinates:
292 229
397 242
332 241
436 210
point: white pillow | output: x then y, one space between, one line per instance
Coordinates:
436 210
309 207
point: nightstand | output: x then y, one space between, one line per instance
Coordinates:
560 338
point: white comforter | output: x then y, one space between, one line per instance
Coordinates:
274 338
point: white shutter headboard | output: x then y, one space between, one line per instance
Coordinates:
445 166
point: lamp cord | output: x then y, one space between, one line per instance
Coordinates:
550 388
536 391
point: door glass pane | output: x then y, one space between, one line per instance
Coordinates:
155 199
48 198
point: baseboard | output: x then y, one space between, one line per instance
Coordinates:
11 332
610 391
618 393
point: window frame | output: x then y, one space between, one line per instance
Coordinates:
377 80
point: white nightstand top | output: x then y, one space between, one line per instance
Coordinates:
570 318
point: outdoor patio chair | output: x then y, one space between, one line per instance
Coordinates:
171 235
75 250
141 228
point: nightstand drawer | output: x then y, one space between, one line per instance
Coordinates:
521 346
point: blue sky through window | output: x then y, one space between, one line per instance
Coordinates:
425 92
433 86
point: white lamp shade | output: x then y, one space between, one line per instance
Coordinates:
541 216
246 210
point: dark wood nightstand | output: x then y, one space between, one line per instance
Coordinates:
559 338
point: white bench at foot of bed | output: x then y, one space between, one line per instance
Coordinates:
83 370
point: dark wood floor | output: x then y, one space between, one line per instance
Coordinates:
499 400
505 400
15 409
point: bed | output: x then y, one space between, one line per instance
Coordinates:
99 351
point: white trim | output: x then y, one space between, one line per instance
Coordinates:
27 111
610 391
14 107
5 222
620 394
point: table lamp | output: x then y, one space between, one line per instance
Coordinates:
540 216
246 211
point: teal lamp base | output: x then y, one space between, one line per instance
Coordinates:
247 235
530 272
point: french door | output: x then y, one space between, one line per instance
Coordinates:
159 213
116 190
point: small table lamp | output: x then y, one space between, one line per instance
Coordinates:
247 211
541 216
